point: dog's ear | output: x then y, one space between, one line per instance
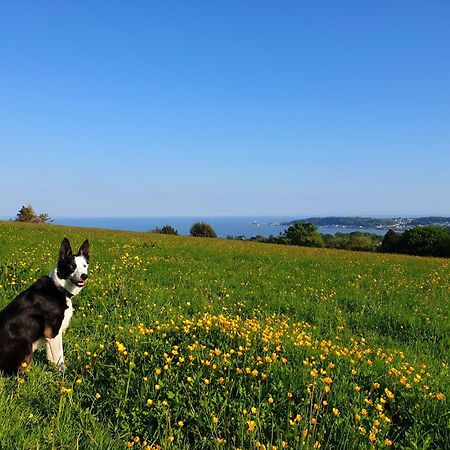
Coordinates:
65 249
84 250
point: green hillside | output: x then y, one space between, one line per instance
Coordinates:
197 343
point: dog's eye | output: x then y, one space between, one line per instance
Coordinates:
73 266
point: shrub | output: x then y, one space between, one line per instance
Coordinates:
166 229
202 229
358 241
361 244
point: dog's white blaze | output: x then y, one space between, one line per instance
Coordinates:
82 267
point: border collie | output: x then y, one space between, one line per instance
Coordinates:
40 314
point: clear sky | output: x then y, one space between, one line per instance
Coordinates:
153 108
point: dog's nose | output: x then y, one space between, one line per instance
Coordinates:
84 276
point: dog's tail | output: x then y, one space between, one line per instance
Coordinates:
13 353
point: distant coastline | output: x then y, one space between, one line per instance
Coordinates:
395 223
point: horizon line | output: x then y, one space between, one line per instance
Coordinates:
302 216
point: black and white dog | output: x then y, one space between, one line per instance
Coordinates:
40 314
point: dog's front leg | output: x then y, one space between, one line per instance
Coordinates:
55 352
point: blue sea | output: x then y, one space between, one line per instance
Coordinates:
224 226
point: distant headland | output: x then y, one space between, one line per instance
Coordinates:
394 223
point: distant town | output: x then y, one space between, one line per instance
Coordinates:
395 223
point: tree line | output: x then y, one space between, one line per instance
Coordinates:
421 240
305 234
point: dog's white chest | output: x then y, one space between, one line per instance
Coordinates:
67 315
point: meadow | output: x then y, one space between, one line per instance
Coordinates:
196 343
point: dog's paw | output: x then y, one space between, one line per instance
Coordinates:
62 367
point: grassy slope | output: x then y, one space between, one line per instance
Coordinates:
150 293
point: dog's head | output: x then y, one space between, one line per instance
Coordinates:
73 268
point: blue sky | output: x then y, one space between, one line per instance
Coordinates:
225 108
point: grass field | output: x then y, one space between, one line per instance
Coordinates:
187 343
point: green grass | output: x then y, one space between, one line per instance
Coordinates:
251 345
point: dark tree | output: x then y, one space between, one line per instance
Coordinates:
304 234
426 241
391 242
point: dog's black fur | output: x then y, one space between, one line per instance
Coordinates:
35 314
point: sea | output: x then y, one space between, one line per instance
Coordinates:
247 226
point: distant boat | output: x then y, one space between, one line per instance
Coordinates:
255 223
